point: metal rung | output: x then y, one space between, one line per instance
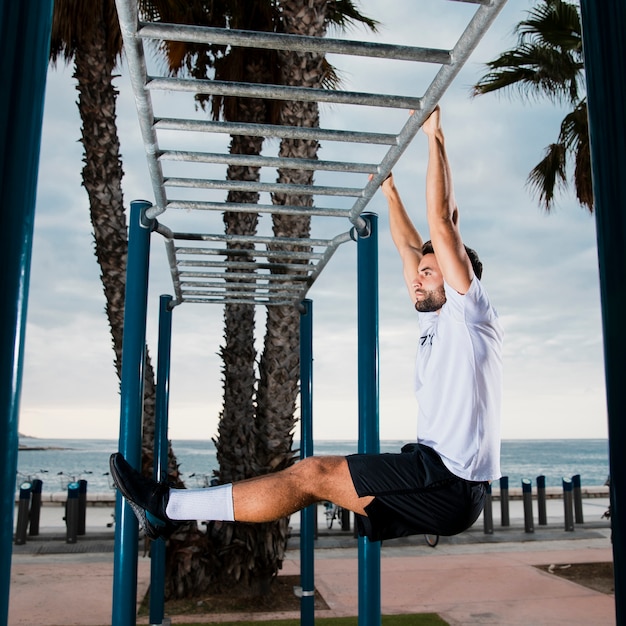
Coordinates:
268 254
281 92
257 208
283 267
242 290
249 186
228 300
282 132
208 288
298 43
252 239
228 276
264 161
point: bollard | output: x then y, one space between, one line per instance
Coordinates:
22 514
504 501
71 513
35 507
578 499
527 495
567 504
541 500
82 507
488 513
345 519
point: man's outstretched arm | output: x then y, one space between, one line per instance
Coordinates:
404 234
442 212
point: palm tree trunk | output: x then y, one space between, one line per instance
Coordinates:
237 561
102 179
279 368
235 442
280 362
243 559
233 543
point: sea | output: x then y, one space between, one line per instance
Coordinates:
57 462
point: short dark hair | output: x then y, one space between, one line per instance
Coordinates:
477 266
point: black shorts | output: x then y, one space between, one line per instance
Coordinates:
414 493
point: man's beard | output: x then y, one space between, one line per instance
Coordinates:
432 301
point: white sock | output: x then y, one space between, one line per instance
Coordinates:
213 503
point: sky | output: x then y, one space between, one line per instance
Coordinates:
541 271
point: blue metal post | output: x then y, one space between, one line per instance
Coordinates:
368 380
604 46
307 516
157 548
24 48
131 412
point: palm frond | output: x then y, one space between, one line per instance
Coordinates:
553 23
548 62
343 13
331 77
574 136
73 24
533 71
574 127
549 175
582 177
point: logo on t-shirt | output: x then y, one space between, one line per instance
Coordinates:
427 339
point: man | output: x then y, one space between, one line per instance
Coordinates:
436 486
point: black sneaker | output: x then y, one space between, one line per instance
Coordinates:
148 498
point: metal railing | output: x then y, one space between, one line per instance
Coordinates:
214 269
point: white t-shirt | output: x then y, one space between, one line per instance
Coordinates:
458 383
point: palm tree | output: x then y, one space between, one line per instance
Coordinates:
235 548
254 437
89 35
278 387
279 367
548 61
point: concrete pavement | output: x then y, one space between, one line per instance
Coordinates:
469 579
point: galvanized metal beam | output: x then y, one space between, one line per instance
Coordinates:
285 209
180 131
248 186
281 92
283 41
280 132
250 262
250 160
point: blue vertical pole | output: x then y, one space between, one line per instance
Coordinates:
307 516
604 24
24 48
157 548
368 380
131 411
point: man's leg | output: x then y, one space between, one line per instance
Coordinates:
261 499
314 479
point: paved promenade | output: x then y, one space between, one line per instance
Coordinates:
469 579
